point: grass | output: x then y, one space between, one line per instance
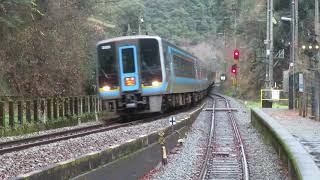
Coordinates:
256 103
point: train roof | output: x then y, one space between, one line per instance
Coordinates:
128 38
145 37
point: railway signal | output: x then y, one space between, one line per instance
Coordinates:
234 69
236 54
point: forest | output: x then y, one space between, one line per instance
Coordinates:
47 47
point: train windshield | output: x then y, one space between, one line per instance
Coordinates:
128 60
150 62
107 66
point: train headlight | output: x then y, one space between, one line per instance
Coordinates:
130 81
106 88
155 83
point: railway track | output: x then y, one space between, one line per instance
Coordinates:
20 144
225 157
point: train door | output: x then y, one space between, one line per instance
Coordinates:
129 75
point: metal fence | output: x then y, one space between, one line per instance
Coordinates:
273 95
18 111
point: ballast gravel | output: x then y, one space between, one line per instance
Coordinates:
186 164
262 159
81 125
25 161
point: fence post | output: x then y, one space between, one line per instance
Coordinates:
11 114
28 111
35 111
95 107
55 108
71 106
76 105
81 105
62 107
20 113
49 109
2 115
44 110
59 107
89 102
66 107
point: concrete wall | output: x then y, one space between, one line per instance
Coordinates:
83 164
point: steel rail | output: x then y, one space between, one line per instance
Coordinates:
239 142
25 143
20 144
204 165
239 139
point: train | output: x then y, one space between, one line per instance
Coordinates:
147 74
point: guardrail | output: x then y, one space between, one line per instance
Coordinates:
19 111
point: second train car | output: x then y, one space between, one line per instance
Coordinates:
142 74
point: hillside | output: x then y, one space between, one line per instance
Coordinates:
47 47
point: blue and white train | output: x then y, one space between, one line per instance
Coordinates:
141 74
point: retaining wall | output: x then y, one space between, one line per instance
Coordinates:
86 163
298 162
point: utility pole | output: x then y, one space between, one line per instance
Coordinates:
269 48
271 45
316 19
315 103
293 53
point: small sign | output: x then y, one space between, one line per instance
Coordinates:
172 120
285 81
268 52
275 95
222 77
301 84
105 47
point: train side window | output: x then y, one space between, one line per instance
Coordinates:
183 67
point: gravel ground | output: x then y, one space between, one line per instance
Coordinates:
187 162
262 159
11 138
21 162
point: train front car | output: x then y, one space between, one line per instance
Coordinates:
130 74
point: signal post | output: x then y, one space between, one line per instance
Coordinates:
234 70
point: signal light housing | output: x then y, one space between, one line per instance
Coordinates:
236 54
234 69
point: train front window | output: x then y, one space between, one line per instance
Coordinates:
128 60
107 66
150 61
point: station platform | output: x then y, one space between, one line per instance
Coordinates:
305 130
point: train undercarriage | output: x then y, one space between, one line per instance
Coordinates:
134 103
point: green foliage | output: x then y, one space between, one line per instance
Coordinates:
48 46
185 19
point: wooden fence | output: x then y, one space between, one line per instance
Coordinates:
18 111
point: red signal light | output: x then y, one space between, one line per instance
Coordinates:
236 54
234 69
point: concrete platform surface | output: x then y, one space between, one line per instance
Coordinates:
305 130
